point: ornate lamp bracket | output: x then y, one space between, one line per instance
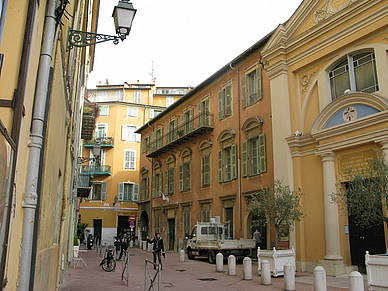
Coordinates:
77 38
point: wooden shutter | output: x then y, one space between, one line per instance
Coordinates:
124 132
200 118
228 100
121 191
168 137
103 191
143 146
166 183
188 176
244 91
146 188
153 147
234 161
220 104
220 163
135 196
175 129
183 122
160 185
258 83
244 158
206 112
262 155
206 170
171 181
191 119
153 186
180 177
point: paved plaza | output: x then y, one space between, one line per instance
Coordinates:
195 274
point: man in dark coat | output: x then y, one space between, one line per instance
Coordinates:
124 245
158 248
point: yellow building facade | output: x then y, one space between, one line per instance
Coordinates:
42 88
327 67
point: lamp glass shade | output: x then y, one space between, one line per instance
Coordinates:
123 15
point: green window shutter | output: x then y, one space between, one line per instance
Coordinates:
228 100
188 176
166 183
220 105
103 191
161 138
146 189
206 112
234 161
153 141
258 83
143 146
153 186
171 181
135 196
244 91
200 118
160 185
174 129
168 138
183 122
121 191
180 177
220 162
262 155
206 170
191 120
142 186
244 169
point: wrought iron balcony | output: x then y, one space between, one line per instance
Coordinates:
96 170
104 142
194 127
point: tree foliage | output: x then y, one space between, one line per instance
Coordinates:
363 196
277 205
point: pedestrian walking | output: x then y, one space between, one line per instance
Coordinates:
258 238
117 244
124 245
158 248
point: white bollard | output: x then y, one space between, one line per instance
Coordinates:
319 279
247 271
131 244
356 281
289 277
232 265
265 273
219 262
181 255
144 245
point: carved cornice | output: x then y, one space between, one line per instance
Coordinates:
330 8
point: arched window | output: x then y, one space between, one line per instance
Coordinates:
227 156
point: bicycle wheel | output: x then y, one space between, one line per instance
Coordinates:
108 265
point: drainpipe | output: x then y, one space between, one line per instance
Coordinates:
239 143
35 148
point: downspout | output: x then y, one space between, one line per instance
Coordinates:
239 143
35 148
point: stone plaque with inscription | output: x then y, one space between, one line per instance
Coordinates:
355 162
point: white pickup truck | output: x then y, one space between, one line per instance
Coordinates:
208 239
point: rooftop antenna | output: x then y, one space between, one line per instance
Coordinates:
152 71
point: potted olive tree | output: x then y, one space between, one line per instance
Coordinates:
280 207
363 198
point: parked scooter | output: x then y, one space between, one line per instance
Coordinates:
90 241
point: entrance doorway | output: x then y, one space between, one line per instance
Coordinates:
122 225
365 239
229 218
143 224
97 230
171 234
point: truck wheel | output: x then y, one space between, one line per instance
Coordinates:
212 257
190 254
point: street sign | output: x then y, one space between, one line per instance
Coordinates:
131 223
132 218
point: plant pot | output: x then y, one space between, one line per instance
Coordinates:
377 270
277 260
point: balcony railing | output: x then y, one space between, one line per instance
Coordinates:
103 141
83 185
96 170
192 128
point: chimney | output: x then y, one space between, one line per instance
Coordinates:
106 82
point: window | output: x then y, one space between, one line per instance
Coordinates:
356 73
169 100
170 176
129 160
102 96
157 181
172 130
132 111
119 95
251 87
145 147
154 112
128 133
157 139
205 149
101 130
187 122
185 171
186 220
157 220
227 170
254 160
144 184
204 113
137 96
103 110
225 102
128 192
206 212
98 191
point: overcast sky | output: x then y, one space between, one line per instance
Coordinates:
184 41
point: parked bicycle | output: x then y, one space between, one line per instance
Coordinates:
108 264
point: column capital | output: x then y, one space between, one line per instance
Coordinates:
383 141
326 156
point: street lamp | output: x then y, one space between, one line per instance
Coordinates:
123 15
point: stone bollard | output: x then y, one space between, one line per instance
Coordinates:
144 245
219 262
265 273
319 279
247 271
289 277
181 255
131 244
232 265
356 281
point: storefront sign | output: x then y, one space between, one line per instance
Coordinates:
354 162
